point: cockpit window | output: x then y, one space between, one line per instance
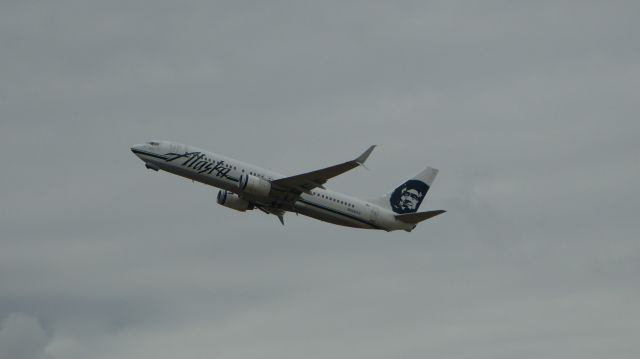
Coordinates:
153 143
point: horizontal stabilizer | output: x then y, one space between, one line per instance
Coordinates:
418 216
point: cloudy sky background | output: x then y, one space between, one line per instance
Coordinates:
529 109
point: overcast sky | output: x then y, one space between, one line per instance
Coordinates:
529 110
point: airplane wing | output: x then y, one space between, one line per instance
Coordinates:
307 181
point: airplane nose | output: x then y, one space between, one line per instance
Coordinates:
136 147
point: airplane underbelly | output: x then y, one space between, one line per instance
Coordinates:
331 216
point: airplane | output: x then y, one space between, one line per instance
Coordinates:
246 187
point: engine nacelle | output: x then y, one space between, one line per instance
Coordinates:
232 200
254 185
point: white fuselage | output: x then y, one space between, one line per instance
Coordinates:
224 172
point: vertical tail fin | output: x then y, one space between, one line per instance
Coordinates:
409 195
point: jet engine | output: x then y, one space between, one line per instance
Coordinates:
254 185
232 200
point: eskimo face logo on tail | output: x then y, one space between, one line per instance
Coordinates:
408 197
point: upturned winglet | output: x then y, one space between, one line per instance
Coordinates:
363 157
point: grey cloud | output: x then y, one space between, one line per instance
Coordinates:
22 337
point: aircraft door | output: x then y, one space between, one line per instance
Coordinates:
373 213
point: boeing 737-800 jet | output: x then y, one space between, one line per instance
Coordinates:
245 187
